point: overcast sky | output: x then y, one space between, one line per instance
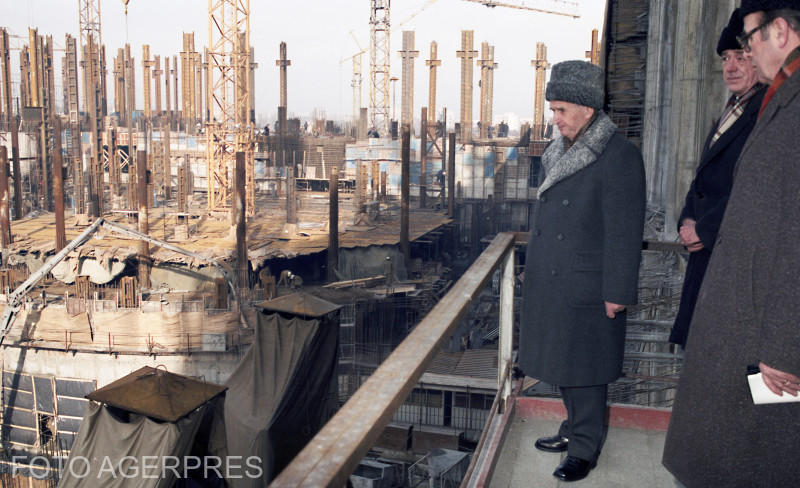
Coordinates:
318 37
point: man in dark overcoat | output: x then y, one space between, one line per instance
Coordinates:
582 262
708 194
747 311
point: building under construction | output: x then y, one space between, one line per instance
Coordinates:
174 233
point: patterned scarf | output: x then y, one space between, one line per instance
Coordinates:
791 65
733 110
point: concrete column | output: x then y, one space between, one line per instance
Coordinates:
404 193
5 224
240 221
359 187
407 82
333 224
144 247
58 188
467 54
291 197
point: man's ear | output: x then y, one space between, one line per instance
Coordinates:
781 28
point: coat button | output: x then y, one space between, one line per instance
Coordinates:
554 272
537 232
543 199
560 237
565 202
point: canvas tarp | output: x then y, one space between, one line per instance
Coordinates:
282 393
110 452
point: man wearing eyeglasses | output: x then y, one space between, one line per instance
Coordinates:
747 311
709 192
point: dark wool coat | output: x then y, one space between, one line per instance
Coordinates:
584 248
747 312
706 201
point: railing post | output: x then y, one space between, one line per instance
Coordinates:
506 327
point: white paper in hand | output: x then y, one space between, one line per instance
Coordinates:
761 394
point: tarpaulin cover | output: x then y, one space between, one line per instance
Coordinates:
111 453
282 393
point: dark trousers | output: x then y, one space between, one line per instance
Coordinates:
585 424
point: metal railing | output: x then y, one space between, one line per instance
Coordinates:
333 454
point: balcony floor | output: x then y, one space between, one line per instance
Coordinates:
631 456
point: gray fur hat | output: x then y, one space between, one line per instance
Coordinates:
578 82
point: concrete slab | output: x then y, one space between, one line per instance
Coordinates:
631 457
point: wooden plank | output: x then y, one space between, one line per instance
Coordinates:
333 454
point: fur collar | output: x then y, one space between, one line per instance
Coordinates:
559 163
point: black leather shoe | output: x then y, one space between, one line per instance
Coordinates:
554 443
573 469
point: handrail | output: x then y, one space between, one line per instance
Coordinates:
334 453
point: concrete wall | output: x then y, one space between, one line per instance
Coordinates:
685 94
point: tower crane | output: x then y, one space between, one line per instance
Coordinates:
571 6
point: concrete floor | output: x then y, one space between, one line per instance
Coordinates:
630 458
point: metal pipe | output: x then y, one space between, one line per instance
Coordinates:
404 194
333 224
16 168
423 158
451 176
144 248
240 222
5 225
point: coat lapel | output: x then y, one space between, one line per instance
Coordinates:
733 131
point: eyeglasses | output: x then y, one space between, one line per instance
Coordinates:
744 39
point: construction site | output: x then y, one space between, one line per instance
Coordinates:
172 265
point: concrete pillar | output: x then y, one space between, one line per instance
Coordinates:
404 193
144 247
58 188
240 223
407 82
291 197
376 178
359 187
467 54
432 64
451 176
333 224
5 224
488 66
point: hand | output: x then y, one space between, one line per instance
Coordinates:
612 309
778 381
689 237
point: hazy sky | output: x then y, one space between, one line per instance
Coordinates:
318 37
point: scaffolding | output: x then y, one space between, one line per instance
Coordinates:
228 130
379 66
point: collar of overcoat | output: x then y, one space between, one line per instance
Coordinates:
782 98
559 163
730 135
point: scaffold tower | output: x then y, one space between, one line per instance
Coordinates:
228 129
379 66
